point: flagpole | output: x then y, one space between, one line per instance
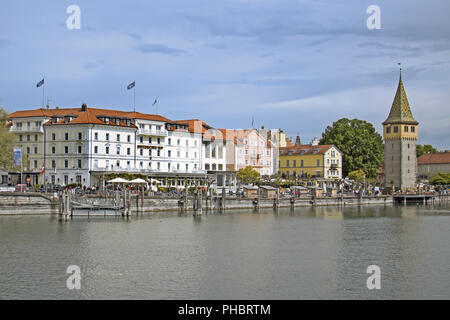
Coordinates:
134 96
43 86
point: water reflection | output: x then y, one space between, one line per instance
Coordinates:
284 253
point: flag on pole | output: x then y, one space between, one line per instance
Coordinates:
131 85
155 102
43 168
54 166
40 83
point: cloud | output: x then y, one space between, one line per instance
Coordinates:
159 48
134 36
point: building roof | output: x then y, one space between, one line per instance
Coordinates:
61 112
307 149
434 158
400 110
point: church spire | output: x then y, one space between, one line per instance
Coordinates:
400 110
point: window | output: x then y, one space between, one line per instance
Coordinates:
388 129
35 137
66 136
128 163
178 154
187 167
28 150
158 140
141 152
66 149
20 137
141 164
150 140
96 149
118 137
301 163
158 153
178 142
395 129
287 163
66 163
118 163
169 153
295 163
128 151
107 150
405 128
107 137
118 150
413 129
95 135
318 162
79 149
79 163
195 155
268 153
187 154
28 137
128 138
187 143
53 164
80 135
169 141
35 150
53 149
35 163
53 136
158 165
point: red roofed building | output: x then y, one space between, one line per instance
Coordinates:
430 164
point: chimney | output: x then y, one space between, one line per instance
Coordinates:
84 107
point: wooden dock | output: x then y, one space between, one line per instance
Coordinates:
416 198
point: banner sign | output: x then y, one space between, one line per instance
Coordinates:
17 156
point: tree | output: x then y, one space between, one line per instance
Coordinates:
426 148
6 142
357 175
361 145
440 179
248 175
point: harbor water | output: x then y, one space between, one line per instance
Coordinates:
301 253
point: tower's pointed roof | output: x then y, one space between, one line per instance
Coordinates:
400 110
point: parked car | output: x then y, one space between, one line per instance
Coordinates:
21 187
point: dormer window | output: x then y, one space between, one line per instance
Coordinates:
106 120
118 121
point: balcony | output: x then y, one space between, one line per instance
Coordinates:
26 129
159 133
334 166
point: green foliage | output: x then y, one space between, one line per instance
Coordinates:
440 179
361 145
127 176
426 148
248 175
357 175
6 143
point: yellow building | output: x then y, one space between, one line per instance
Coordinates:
311 161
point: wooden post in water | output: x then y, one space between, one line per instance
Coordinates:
199 201
129 203
224 198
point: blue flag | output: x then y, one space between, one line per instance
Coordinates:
40 83
131 85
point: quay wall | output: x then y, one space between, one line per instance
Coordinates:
14 203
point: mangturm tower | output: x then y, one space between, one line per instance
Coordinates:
400 136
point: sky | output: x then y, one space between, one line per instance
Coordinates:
294 65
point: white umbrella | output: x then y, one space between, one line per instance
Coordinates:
118 180
138 180
154 180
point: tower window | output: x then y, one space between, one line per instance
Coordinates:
406 128
388 129
413 129
395 129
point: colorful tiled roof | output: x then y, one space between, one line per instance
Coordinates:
434 158
400 110
304 150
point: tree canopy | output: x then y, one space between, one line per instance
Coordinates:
440 179
6 142
361 145
248 175
357 175
426 148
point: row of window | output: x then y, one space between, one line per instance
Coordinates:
405 129
28 137
301 163
37 124
254 152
